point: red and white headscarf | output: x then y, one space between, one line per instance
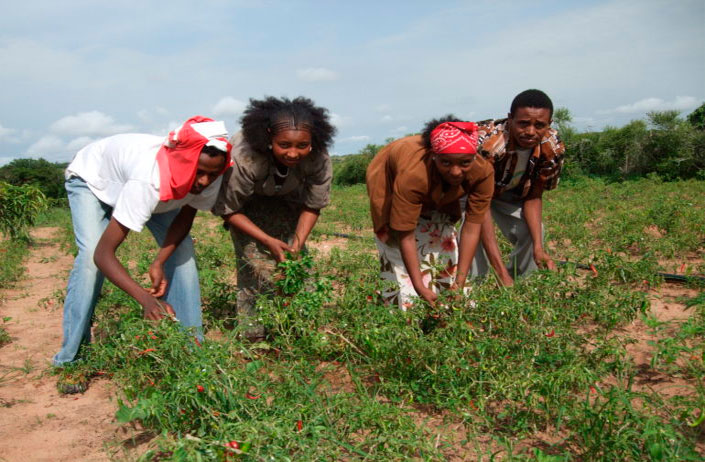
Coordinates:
454 138
178 156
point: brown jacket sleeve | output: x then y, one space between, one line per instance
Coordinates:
480 193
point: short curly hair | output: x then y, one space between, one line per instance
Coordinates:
532 98
430 125
261 117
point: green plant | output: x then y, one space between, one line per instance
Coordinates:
19 208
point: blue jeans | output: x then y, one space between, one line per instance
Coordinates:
90 218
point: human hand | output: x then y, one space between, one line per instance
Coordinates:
383 234
278 249
157 309
506 280
428 295
159 282
543 260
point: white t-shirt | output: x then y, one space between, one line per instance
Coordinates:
122 171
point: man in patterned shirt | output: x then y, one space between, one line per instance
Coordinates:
527 155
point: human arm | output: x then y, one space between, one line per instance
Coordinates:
178 230
407 246
307 220
533 211
242 223
469 238
489 242
106 261
477 216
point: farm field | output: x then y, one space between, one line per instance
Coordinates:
605 364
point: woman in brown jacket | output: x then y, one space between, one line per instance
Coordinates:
415 185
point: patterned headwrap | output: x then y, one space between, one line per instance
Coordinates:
178 156
454 138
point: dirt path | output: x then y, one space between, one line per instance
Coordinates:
36 423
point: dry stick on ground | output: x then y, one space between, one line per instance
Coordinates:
327 331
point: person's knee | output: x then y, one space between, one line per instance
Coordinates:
183 255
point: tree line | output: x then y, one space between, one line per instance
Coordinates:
664 144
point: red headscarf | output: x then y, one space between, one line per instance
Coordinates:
454 138
178 156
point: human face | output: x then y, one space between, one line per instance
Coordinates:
209 168
291 146
453 167
528 126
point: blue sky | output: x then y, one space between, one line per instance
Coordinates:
76 71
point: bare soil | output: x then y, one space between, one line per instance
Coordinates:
36 422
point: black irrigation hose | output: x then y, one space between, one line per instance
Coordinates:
668 277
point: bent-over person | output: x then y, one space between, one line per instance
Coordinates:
415 185
527 156
272 197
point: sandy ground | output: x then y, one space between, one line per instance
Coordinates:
36 423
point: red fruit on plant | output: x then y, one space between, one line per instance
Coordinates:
551 334
200 388
299 425
233 444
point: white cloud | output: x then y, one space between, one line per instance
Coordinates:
6 132
77 144
150 115
654 104
356 138
88 124
387 118
46 144
229 106
338 120
317 74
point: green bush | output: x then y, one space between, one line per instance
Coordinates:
19 208
45 175
665 145
353 168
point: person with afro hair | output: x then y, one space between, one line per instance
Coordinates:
271 198
415 185
527 155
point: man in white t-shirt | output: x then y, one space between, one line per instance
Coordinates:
527 155
121 184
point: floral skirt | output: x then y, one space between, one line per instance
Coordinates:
437 249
